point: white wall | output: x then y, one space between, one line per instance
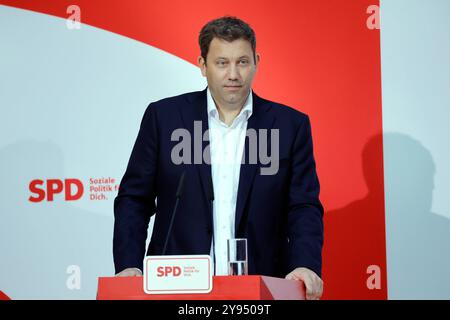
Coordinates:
415 43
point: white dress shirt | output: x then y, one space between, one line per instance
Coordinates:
226 148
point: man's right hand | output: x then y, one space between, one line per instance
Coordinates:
130 272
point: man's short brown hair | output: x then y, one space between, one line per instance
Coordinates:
227 28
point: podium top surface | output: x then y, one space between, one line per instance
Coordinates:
224 288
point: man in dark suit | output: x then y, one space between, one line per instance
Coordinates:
272 201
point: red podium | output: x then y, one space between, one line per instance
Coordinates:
224 288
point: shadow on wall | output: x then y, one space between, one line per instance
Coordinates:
355 236
418 240
38 241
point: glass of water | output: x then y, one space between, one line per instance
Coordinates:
237 257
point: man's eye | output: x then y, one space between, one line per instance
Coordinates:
243 62
221 63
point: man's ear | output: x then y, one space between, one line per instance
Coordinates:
202 65
258 59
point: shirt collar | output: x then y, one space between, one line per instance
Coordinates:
246 110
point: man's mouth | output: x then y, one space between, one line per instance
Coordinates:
232 88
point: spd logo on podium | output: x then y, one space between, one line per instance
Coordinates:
177 274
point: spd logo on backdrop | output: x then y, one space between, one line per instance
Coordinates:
71 189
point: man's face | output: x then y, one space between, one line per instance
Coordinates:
229 69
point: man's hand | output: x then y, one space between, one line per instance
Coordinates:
130 272
313 283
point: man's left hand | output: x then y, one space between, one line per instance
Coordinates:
313 283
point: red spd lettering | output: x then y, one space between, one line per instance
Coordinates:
168 271
36 188
47 189
68 184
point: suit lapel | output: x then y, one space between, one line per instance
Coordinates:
260 119
197 111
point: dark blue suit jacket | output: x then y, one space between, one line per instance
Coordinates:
280 215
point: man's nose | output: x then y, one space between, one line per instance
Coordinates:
233 73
